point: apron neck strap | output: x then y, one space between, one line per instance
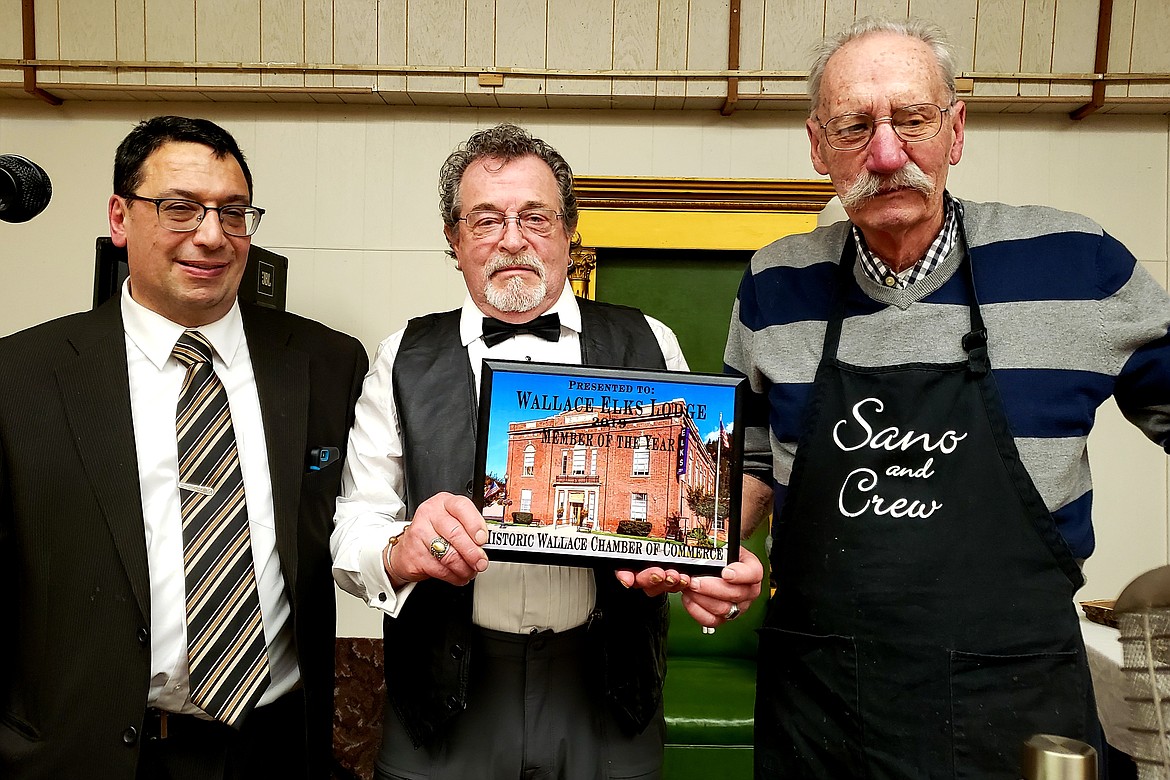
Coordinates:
974 342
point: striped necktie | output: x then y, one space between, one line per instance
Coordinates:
226 652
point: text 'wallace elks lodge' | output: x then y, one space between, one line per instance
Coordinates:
595 467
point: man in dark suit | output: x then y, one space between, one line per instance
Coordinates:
168 622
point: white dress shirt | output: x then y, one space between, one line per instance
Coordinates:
509 597
156 379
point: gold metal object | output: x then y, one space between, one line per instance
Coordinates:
1049 757
439 547
584 260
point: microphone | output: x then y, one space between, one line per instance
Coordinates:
25 189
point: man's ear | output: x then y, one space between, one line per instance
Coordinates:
814 140
959 123
451 233
116 210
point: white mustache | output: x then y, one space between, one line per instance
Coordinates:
868 185
499 262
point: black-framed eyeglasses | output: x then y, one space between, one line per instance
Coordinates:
185 216
492 224
919 122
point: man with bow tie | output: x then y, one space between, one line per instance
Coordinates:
548 671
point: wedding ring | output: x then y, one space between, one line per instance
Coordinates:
732 613
439 547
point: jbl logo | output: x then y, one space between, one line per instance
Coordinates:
265 279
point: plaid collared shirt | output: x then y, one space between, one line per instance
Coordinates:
943 243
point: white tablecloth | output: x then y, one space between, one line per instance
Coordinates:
1109 683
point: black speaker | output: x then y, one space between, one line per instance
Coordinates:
265 280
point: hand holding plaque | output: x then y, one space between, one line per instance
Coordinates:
443 541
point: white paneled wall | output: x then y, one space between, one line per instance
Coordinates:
556 45
351 198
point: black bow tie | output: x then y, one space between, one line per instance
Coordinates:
547 327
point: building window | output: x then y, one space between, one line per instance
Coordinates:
525 500
642 457
593 464
564 461
637 506
579 460
529 460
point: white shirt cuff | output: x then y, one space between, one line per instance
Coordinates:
380 593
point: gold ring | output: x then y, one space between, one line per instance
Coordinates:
439 547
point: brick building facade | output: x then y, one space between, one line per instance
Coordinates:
594 469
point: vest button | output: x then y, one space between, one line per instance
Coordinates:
130 735
457 652
452 703
143 637
470 486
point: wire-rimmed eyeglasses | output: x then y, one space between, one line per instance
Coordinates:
185 216
919 122
487 223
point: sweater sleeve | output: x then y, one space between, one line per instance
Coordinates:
739 360
1135 318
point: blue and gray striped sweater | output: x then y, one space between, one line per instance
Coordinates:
1072 319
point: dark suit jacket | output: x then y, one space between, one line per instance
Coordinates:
74 585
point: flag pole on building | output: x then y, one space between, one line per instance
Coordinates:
718 469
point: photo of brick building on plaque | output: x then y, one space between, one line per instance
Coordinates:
595 469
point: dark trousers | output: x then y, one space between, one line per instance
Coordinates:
531 715
271 743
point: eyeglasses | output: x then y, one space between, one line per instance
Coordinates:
185 216
492 224
919 122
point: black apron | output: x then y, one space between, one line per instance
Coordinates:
923 623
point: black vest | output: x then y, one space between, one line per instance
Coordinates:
428 646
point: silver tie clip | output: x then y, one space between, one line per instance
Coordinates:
201 489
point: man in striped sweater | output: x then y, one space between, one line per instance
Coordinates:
924 380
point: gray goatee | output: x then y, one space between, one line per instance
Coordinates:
516 295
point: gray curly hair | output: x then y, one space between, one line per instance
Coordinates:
504 142
926 31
